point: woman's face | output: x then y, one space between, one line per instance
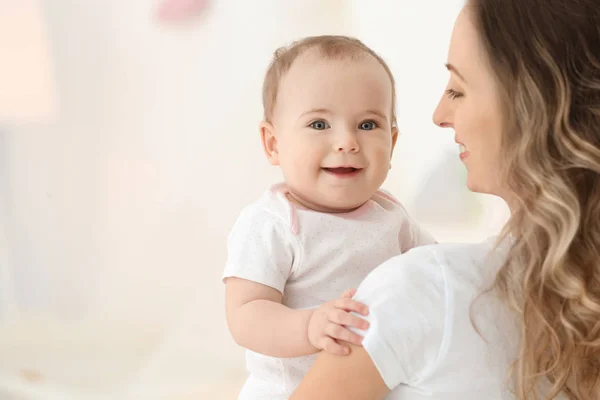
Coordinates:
471 107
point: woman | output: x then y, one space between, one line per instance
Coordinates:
520 319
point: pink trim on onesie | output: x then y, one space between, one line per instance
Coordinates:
281 191
389 197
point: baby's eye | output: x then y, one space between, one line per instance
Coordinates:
368 125
319 125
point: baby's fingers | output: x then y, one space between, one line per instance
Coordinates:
351 305
333 347
341 317
340 333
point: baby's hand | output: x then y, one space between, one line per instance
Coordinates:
328 324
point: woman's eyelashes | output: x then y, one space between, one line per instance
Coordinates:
453 94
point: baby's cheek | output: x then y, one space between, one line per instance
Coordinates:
383 155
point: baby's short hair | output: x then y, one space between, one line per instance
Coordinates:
331 47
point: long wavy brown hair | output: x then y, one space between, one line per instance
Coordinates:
546 57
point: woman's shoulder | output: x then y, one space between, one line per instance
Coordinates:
413 301
436 265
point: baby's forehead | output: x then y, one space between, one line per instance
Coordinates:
315 56
318 69
341 92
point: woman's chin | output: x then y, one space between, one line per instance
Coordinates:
477 186
471 184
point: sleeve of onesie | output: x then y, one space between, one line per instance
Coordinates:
420 236
410 234
407 307
260 248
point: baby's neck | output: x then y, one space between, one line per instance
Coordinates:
316 207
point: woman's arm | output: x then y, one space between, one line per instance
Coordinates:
407 303
351 377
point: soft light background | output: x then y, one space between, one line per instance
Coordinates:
116 212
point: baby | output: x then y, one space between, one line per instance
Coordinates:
330 125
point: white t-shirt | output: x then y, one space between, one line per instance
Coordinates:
421 338
312 258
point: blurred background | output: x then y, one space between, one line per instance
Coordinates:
129 143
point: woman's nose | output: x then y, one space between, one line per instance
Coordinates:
442 116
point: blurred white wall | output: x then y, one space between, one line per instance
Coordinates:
118 211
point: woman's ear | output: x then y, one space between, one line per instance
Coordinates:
269 141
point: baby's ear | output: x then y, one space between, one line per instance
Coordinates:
394 136
269 141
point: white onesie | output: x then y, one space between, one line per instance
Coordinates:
311 257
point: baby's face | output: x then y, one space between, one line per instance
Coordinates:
333 131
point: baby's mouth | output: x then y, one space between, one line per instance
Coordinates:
342 171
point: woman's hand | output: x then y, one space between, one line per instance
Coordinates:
328 323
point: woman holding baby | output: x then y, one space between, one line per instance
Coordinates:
517 317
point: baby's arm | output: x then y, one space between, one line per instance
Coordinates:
258 321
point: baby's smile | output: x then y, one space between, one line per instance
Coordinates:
343 171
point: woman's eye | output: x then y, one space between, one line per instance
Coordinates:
368 125
453 94
319 125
